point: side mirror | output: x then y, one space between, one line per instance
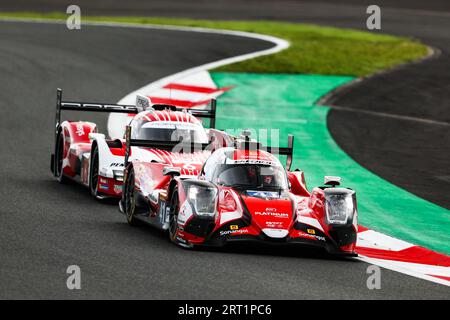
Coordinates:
332 181
171 171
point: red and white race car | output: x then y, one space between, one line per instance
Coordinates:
240 193
86 156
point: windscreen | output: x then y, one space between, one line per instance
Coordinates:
251 176
173 132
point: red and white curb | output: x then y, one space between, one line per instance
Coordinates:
398 255
193 91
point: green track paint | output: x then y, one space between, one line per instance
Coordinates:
286 102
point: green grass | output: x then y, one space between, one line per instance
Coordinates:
313 50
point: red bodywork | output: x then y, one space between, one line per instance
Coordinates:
76 159
78 146
294 216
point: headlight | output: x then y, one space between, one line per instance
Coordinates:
203 200
340 205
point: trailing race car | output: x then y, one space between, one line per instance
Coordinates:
86 156
241 193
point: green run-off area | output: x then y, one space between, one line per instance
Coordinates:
286 102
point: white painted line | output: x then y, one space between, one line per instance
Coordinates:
389 115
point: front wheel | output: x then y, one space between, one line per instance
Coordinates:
174 228
173 216
129 200
93 173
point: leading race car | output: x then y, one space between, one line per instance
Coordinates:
86 156
242 193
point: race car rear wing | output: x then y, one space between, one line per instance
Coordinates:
87 106
285 151
122 108
176 146
288 151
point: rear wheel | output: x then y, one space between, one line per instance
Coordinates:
59 156
129 200
93 173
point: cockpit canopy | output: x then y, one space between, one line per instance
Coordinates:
169 131
249 169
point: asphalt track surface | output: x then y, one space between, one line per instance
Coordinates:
46 227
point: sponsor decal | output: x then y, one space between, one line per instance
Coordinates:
163 213
320 238
305 235
80 130
272 212
172 125
104 186
117 188
234 227
274 224
233 232
116 164
262 162
311 231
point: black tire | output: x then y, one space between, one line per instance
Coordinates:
129 199
93 173
59 154
173 216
